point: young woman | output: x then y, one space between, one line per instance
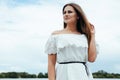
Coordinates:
71 47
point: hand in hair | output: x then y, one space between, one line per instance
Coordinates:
92 29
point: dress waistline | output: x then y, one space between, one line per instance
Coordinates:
71 62
84 63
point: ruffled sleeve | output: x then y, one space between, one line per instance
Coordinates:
50 46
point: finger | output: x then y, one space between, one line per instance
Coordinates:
91 26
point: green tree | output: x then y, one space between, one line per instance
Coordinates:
40 75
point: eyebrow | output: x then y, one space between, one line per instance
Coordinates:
67 10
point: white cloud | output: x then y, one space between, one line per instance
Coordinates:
25 29
32 19
117 67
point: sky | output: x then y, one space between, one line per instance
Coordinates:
25 26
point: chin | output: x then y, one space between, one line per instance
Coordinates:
67 22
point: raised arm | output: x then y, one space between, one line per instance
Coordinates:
92 52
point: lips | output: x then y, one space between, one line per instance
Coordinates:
67 18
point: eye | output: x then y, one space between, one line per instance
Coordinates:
64 12
69 11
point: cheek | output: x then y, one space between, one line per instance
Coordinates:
74 17
63 16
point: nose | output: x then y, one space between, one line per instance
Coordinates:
66 14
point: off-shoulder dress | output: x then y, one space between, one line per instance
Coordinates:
72 56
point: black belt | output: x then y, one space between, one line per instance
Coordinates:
84 63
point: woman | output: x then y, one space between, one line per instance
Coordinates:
71 47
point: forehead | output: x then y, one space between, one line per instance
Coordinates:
69 8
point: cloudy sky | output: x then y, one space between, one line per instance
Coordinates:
25 25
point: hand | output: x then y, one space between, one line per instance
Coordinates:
92 29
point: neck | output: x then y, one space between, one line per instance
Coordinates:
71 27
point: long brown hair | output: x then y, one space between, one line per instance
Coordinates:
83 25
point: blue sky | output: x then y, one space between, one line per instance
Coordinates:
25 25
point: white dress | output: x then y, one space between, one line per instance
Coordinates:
70 47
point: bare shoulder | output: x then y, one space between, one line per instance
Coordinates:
57 32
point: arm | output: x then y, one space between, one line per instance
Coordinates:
92 46
51 66
92 50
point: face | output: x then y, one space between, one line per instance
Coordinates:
69 15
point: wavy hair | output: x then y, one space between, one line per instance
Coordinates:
83 25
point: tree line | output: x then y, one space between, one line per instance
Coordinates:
22 75
98 74
104 74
